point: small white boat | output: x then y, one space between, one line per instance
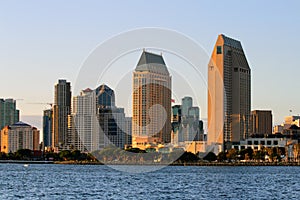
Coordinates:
26 165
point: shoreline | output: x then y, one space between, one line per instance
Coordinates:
254 164
213 164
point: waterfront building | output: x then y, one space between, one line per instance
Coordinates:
264 142
83 123
186 125
47 128
61 111
128 131
19 136
261 122
151 120
8 112
111 118
229 94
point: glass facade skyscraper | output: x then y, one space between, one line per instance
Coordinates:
61 111
47 128
8 112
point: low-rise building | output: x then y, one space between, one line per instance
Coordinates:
259 143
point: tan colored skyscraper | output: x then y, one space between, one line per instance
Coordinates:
151 121
229 93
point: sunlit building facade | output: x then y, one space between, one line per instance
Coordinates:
83 123
61 111
261 122
151 121
19 136
229 94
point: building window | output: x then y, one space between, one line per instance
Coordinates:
249 142
262 142
236 69
275 142
219 49
255 142
269 142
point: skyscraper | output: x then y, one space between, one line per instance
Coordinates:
61 110
229 93
8 112
186 125
84 133
151 121
111 118
261 122
47 128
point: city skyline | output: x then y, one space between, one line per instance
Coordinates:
53 50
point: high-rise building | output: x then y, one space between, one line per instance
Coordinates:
151 121
19 136
61 111
84 129
229 93
128 131
261 122
47 128
186 125
8 112
111 118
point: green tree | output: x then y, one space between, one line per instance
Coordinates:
231 154
246 154
65 155
23 154
258 155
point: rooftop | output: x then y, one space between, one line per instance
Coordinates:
231 42
151 62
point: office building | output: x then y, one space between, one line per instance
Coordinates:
19 136
61 111
229 94
111 118
128 131
8 112
151 121
261 122
84 127
47 128
186 125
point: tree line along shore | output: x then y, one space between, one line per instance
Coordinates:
134 156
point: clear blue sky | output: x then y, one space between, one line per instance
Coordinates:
42 41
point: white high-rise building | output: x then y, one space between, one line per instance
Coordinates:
85 126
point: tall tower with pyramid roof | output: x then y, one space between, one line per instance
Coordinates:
151 120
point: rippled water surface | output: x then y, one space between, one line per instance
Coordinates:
102 182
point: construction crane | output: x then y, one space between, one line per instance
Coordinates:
42 103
